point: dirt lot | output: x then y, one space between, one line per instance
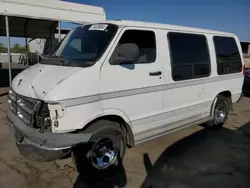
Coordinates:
191 158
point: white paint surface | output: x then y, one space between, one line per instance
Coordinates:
52 10
144 112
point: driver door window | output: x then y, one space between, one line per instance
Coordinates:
145 40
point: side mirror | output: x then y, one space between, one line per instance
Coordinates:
127 53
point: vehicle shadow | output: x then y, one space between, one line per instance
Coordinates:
246 94
208 158
111 179
3 94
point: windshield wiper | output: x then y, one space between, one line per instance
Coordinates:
61 59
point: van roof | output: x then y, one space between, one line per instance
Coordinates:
164 26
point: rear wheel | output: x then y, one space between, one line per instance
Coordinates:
105 150
220 113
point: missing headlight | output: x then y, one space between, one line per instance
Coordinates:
43 120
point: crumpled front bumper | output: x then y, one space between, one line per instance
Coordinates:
43 146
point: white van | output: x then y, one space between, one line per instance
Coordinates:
112 85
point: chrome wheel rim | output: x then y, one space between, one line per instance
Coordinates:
220 113
103 154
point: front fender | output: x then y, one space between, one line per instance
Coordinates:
117 112
121 114
107 112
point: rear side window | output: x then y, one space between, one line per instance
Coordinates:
146 42
189 56
227 55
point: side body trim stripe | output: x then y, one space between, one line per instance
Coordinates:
124 93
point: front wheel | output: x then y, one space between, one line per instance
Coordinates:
105 150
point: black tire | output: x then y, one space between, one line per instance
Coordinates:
102 129
222 101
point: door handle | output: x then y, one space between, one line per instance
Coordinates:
157 73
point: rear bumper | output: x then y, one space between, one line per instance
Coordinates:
43 146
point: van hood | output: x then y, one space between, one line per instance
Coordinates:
38 80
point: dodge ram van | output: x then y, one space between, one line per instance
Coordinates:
112 85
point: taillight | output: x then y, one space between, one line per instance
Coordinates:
244 70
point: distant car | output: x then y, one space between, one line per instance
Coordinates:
246 85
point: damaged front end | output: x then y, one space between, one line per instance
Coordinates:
42 119
32 122
34 113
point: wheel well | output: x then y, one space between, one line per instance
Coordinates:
125 127
228 95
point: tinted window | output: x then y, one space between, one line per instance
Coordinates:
189 56
145 40
228 56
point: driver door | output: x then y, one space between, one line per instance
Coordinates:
135 89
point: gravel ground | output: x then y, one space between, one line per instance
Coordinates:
190 158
